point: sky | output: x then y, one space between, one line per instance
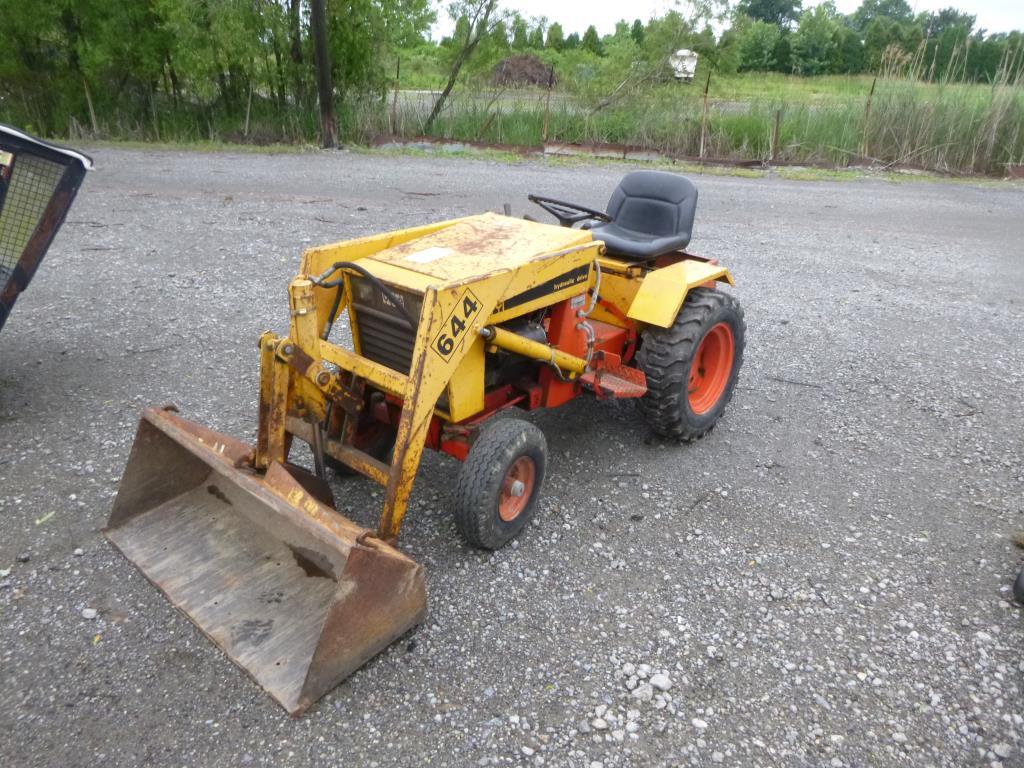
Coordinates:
576 15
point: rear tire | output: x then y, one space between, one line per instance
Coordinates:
499 483
692 367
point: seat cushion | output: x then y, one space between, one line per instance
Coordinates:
652 214
637 246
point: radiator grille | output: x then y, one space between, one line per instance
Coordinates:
38 182
384 334
28 191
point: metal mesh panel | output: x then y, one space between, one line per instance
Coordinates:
30 187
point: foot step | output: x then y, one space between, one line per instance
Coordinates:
618 382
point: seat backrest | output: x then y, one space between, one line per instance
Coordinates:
655 203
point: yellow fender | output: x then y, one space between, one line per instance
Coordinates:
664 290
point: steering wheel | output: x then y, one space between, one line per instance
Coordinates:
567 213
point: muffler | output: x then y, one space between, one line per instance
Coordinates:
294 593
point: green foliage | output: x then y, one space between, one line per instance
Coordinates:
499 35
757 46
784 53
961 128
781 13
848 55
556 38
592 42
520 33
894 10
241 70
637 32
191 68
814 42
934 24
536 39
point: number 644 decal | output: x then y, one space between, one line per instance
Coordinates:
458 323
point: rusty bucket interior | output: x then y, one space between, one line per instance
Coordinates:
294 593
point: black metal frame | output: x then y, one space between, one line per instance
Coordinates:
47 171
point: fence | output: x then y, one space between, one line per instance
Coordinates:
951 128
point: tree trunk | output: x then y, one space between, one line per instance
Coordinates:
324 87
295 24
439 104
279 71
478 27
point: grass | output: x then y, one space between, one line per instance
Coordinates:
943 127
793 173
948 128
789 173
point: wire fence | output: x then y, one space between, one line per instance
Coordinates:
954 128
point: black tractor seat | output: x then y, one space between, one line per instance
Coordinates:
651 214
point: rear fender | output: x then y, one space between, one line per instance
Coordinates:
664 290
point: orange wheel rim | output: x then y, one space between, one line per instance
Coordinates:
517 488
711 367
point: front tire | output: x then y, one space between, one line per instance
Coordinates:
499 483
692 367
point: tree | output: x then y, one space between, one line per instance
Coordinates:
572 42
662 38
934 24
814 40
537 37
728 49
365 36
879 34
849 52
784 53
483 15
556 38
757 46
781 13
637 32
703 43
520 33
591 42
869 10
324 87
499 35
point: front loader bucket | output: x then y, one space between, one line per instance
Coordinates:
294 593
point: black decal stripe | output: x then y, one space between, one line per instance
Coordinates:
566 280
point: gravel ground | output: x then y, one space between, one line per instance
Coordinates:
822 581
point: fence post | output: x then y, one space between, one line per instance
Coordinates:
776 135
865 147
547 105
704 119
248 111
156 118
92 112
394 100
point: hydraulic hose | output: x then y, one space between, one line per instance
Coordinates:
323 282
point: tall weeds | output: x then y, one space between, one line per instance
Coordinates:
914 120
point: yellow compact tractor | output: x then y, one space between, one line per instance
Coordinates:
451 324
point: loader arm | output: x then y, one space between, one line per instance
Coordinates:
302 372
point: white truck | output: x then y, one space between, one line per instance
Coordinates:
684 65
